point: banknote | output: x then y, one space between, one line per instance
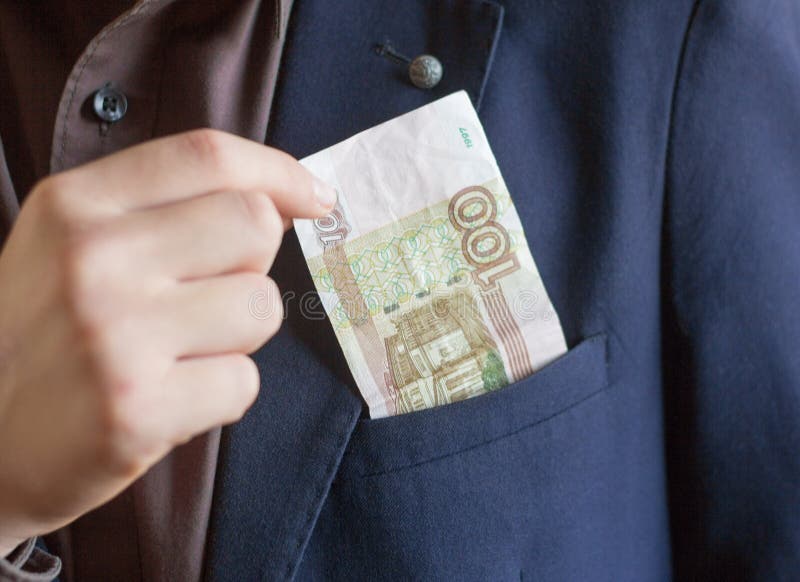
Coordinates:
423 267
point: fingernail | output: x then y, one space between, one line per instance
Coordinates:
325 193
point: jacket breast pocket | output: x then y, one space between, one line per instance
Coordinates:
394 443
503 486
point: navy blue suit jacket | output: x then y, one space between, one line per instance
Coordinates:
653 153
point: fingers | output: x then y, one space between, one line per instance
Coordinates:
201 393
206 236
194 163
234 313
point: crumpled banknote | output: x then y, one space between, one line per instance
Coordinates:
423 267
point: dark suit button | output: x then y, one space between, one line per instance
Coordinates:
110 105
425 71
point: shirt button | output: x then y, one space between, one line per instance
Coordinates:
425 71
110 105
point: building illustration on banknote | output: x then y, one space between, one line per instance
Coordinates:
442 352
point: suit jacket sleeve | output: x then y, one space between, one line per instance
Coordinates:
732 244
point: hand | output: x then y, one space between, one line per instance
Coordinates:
124 323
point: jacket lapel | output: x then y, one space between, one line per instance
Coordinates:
276 465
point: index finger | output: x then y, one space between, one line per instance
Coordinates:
200 162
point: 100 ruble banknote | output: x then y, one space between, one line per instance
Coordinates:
423 267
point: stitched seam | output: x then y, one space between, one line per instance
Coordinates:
277 19
668 149
322 488
668 158
487 65
138 534
282 40
88 57
491 440
674 97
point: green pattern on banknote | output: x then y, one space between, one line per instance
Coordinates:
404 261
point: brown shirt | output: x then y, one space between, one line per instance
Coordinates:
181 65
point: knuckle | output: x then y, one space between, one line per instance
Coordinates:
120 452
285 162
96 339
55 198
265 306
208 146
50 186
286 170
118 423
246 381
81 259
273 323
84 263
294 176
256 284
266 311
260 211
129 414
120 446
